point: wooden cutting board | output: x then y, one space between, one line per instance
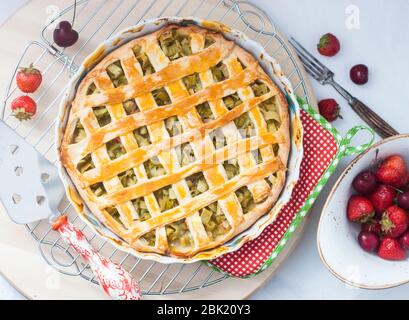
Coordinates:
21 262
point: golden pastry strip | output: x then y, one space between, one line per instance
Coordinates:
208 197
232 151
212 177
259 189
121 215
181 106
173 72
141 154
228 206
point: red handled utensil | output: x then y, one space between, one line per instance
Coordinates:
31 190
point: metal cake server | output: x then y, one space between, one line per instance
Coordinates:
31 190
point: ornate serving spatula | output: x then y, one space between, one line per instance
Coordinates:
31 190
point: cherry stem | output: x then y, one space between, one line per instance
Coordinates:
375 161
74 13
398 190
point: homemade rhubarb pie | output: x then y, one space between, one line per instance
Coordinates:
177 141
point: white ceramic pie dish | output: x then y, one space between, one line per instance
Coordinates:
336 236
272 69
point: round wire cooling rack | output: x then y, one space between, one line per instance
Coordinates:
97 20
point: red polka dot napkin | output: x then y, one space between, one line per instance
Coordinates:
320 148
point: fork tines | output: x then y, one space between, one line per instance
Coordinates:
314 67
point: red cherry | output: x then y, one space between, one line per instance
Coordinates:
365 182
359 74
404 240
64 36
368 241
403 200
372 226
65 25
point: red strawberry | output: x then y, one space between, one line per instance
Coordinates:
28 79
394 221
390 249
329 109
328 45
382 198
359 209
372 226
23 107
393 171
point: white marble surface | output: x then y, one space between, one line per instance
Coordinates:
382 43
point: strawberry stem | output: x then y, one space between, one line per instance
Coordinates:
386 224
323 41
21 115
29 69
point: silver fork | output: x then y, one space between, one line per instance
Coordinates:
325 76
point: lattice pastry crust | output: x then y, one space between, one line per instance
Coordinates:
178 141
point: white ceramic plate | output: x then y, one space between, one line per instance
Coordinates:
337 237
271 67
